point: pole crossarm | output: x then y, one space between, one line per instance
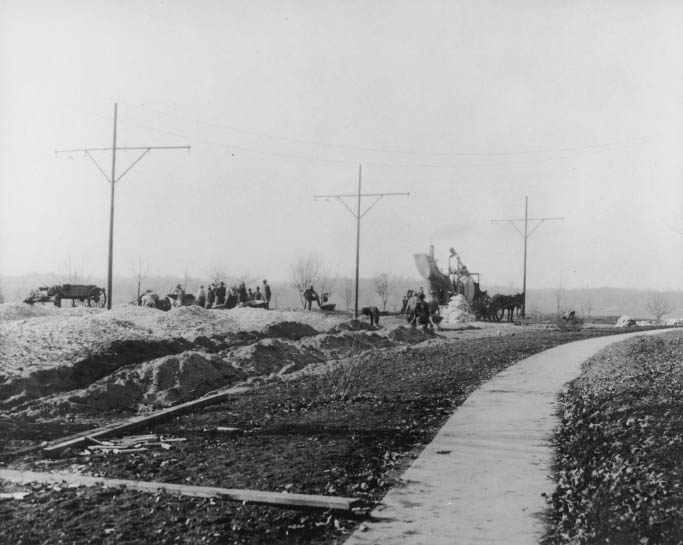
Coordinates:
341 197
133 148
358 215
539 220
97 165
525 235
145 151
133 164
112 181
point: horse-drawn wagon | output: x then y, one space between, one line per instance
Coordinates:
461 281
88 295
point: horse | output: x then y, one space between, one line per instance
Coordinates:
481 307
501 304
520 301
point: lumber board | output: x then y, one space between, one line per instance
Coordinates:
230 494
55 447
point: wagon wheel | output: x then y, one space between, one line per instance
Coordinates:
79 302
499 313
97 298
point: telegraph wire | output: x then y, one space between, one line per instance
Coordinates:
567 153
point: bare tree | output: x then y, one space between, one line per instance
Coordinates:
348 292
139 272
587 306
218 273
658 305
304 272
327 282
73 276
382 288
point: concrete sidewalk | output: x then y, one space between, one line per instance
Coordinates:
480 480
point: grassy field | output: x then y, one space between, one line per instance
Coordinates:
620 448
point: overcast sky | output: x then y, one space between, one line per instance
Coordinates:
468 106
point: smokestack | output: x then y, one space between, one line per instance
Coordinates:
431 251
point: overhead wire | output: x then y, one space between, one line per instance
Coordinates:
559 154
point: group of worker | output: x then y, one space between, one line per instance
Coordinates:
420 310
218 295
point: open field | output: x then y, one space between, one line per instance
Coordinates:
331 407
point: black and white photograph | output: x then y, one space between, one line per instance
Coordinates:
359 272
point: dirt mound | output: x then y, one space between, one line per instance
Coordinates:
270 356
352 325
159 383
410 335
92 365
347 344
21 311
290 330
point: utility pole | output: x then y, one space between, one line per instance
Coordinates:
357 214
525 235
112 181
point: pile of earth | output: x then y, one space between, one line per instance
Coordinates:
46 350
146 374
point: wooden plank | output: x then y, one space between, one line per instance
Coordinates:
230 494
136 422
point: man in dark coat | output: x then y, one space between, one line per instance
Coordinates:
421 312
373 313
221 292
266 293
310 295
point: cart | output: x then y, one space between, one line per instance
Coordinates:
87 295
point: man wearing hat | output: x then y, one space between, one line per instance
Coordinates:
266 293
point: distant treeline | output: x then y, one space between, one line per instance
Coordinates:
597 302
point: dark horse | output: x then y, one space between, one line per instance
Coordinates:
520 302
502 304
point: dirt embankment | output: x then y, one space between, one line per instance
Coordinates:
350 432
147 372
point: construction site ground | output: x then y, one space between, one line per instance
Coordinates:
331 407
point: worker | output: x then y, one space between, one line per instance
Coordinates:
372 313
201 297
309 296
179 296
421 312
434 311
266 293
221 292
